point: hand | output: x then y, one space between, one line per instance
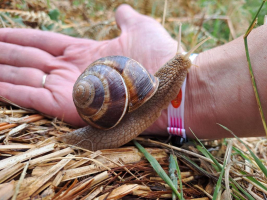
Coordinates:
27 55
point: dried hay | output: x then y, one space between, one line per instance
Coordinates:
35 165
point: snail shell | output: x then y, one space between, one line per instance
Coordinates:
109 88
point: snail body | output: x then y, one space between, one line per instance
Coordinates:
170 79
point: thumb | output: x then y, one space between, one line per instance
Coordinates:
126 16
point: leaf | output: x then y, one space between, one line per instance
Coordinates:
54 14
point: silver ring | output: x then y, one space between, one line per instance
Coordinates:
43 82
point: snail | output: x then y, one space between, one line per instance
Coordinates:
165 84
139 111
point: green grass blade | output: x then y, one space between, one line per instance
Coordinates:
156 166
208 153
196 166
200 148
257 160
237 196
254 180
173 174
48 3
236 192
251 71
180 178
235 189
226 160
235 186
242 190
254 19
255 87
244 156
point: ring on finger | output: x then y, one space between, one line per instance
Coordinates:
44 79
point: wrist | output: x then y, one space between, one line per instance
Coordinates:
199 104
219 90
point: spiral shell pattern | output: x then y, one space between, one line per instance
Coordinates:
109 88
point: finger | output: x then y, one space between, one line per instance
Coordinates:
21 76
37 98
126 16
19 56
53 43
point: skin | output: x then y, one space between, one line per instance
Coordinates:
218 90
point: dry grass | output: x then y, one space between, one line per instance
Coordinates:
58 171
35 165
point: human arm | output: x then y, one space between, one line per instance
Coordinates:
222 91
219 91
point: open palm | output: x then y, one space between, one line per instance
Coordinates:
27 55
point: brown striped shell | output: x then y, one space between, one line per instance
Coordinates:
109 88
